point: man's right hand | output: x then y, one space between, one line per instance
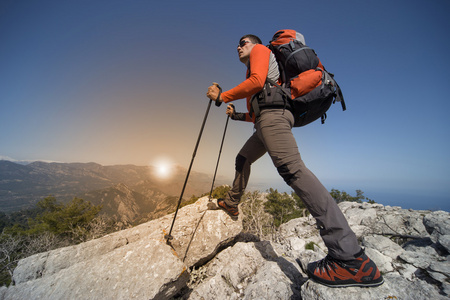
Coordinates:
213 93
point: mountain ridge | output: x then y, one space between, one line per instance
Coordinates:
22 186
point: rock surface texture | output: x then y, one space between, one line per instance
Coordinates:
210 258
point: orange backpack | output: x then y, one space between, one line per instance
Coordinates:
312 88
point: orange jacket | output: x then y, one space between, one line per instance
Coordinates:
259 67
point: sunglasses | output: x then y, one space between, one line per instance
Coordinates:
242 43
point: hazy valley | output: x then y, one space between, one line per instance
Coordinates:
126 192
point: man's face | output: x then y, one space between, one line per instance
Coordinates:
244 48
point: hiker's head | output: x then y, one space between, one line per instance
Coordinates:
245 46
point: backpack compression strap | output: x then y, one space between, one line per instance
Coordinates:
328 78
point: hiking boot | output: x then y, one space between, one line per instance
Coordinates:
233 212
333 272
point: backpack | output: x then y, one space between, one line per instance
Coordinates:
307 86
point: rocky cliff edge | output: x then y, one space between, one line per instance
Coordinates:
210 258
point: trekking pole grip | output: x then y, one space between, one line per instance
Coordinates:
218 103
234 110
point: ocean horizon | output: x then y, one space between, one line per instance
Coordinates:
420 200
416 202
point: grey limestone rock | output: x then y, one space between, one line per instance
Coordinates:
133 263
209 259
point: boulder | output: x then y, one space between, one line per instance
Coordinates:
394 287
383 262
365 218
383 244
437 224
200 233
250 271
420 259
133 263
146 269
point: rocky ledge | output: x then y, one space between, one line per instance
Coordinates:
211 258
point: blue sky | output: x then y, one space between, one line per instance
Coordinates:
124 82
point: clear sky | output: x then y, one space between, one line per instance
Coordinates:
124 82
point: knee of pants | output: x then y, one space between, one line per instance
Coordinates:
286 174
240 162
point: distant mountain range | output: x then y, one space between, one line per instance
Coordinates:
124 190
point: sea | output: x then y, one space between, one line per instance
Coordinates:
416 202
404 199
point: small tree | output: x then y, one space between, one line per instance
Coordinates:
71 220
300 205
220 192
339 196
11 250
282 207
217 193
256 221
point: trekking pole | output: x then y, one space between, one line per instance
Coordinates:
220 152
168 236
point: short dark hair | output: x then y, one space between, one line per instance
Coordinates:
253 38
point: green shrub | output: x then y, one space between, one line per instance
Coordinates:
282 207
310 246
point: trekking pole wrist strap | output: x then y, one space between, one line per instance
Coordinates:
217 100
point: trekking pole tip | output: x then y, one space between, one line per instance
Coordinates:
168 238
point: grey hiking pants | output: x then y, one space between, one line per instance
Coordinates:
273 135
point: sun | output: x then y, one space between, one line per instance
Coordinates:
163 168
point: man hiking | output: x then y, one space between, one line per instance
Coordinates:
346 263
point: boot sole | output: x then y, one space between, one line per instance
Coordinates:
343 285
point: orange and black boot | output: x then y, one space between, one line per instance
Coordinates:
333 272
233 212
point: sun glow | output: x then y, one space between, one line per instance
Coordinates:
162 171
163 168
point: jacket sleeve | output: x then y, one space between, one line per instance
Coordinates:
259 66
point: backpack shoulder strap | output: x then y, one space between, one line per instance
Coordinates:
278 86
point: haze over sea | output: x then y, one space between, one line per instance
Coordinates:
417 199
